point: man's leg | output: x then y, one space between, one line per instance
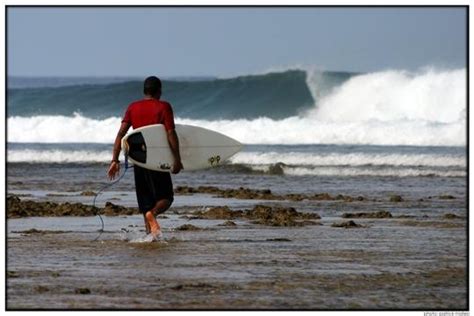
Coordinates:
150 216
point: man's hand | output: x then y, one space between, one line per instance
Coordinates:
177 167
174 146
114 169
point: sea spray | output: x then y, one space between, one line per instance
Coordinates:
396 96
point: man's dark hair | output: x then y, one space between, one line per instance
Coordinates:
152 86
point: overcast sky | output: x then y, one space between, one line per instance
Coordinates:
230 41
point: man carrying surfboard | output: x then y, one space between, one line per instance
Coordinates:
154 188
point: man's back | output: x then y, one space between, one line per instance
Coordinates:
149 111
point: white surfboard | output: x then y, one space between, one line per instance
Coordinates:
200 148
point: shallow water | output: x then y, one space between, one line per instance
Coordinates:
400 263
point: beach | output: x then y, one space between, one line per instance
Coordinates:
238 248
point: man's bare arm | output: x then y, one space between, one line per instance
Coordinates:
114 164
174 145
118 140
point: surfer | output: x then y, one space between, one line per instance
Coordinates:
154 188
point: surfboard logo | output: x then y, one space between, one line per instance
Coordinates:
165 166
214 160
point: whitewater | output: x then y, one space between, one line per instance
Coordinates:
425 108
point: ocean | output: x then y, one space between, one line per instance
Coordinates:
308 123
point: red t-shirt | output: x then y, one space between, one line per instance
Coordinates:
149 111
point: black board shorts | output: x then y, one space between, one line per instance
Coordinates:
152 186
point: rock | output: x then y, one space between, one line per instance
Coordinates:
279 216
114 210
451 216
190 217
12 274
277 169
446 197
41 289
379 214
306 222
88 193
228 223
30 231
40 232
260 214
396 198
204 286
185 190
345 198
436 224
188 227
248 194
265 194
322 197
240 193
278 239
208 189
348 224
178 287
295 197
83 291
19 208
220 212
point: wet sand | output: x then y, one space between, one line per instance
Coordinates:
400 254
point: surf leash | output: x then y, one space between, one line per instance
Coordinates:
108 185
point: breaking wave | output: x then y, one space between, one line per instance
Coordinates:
426 108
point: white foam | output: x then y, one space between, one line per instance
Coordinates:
297 130
397 96
293 130
62 129
386 108
148 239
385 172
57 156
136 237
352 159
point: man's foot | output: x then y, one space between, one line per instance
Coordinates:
147 226
155 229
